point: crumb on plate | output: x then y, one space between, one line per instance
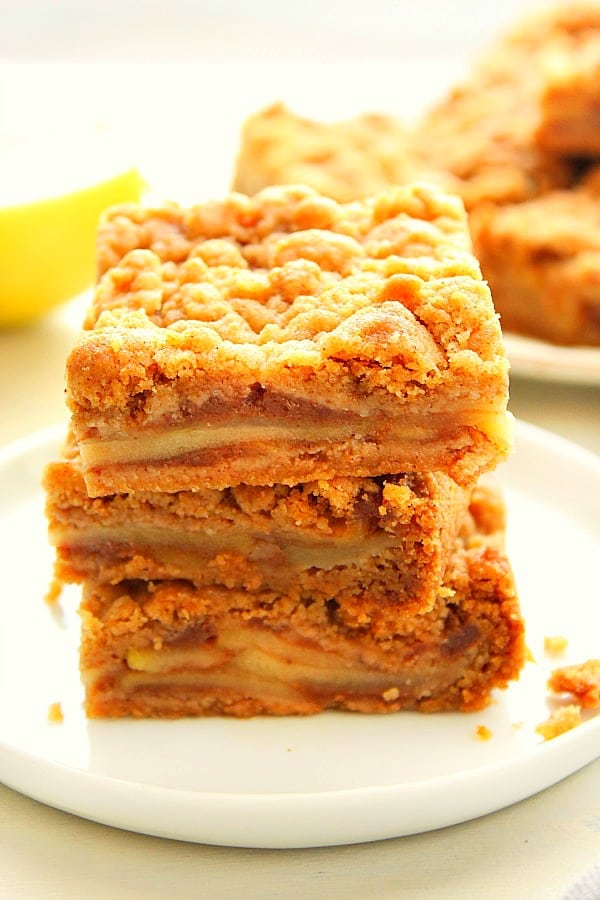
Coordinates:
581 680
563 719
555 644
55 713
54 591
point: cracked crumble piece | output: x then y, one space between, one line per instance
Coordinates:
55 713
555 644
581 680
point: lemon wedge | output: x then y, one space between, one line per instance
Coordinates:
48 225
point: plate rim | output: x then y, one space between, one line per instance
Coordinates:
144 799
541 361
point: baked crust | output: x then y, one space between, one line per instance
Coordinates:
169 649
329 339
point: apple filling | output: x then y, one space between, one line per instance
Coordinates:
257 661
188 550
172 443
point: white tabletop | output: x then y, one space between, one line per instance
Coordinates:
536 848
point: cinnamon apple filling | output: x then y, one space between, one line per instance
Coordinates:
149 445
256 660
190 549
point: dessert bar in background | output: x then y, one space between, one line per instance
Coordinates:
344 160
516 140
569 88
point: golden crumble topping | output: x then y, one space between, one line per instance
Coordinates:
285 265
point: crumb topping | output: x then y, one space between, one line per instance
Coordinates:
290 291
285 265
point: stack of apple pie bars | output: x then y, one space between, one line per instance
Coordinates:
281 410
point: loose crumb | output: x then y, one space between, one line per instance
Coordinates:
563 719
529 657
483 733
391 694
54 591
581 680
55 713
554 645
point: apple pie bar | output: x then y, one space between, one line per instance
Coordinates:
385 540
284 338
344 160
543 258
170 648
569 92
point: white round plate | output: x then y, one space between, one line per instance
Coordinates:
549 362
295 782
